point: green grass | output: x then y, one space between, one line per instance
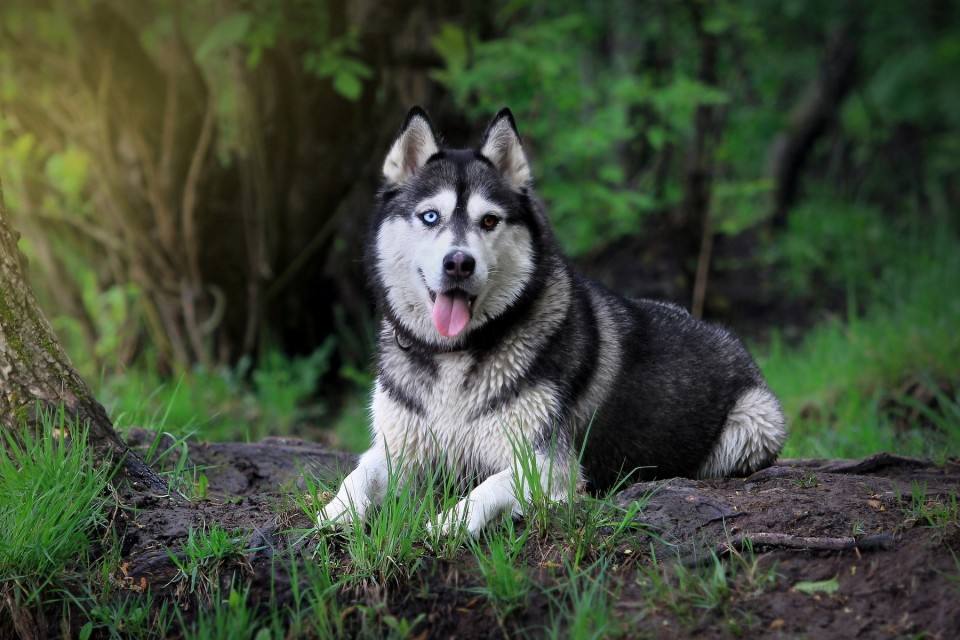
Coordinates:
587 526
842 387
689 594
389 543
385 547
506 583
53 503
314 604
582 609
169 455
393 541
808 480
231 617
127 615
224 403
937 512
202 557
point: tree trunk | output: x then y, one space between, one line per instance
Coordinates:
811 119
698 175
35 371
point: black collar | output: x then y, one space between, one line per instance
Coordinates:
407 342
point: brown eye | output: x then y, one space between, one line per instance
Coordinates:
489 222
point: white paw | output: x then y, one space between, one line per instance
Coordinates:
460 517
338 514
445 523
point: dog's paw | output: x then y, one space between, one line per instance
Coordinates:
459 518
445 523
338 514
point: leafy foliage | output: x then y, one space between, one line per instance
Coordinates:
608 97
221 404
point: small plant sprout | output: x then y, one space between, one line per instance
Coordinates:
808 480
937 512
204 555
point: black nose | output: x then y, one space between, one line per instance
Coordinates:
458 264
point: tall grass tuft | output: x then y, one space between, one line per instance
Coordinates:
52 501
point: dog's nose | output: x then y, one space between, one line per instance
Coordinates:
458 264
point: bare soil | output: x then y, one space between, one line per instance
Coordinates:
809 520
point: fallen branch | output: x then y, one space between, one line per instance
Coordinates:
877 542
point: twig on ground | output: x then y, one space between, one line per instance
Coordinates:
881 541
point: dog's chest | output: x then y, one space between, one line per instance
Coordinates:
468 413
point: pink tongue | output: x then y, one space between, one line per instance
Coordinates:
450 313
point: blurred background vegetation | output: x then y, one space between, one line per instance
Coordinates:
193 181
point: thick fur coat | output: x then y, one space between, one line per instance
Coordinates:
489 339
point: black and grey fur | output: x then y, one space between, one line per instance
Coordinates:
547 357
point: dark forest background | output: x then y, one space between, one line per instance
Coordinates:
193 180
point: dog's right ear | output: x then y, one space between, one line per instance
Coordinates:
414 145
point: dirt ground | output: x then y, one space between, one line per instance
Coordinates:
854 522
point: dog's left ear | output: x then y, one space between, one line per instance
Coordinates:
501 146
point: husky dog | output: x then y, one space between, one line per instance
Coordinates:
490 338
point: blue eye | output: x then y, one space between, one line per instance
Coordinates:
430 218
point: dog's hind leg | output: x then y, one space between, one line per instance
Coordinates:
751 438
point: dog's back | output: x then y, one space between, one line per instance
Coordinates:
686 399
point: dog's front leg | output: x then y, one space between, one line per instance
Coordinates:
500 492
363 488
488 500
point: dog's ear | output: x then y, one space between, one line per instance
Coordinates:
501 146
414 145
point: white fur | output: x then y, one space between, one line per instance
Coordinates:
507 257
752 436
608 359
410 151
443 202
453 433
364 487
502 147
478 206
407 248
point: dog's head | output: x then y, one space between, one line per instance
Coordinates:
457 236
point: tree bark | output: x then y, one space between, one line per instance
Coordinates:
698 175
811 119
35 371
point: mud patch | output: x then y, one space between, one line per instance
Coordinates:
857 526
817 521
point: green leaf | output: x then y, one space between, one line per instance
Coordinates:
348 85
85 631
452 45
227 33
818 586
656 136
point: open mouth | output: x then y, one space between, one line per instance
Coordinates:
452 310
